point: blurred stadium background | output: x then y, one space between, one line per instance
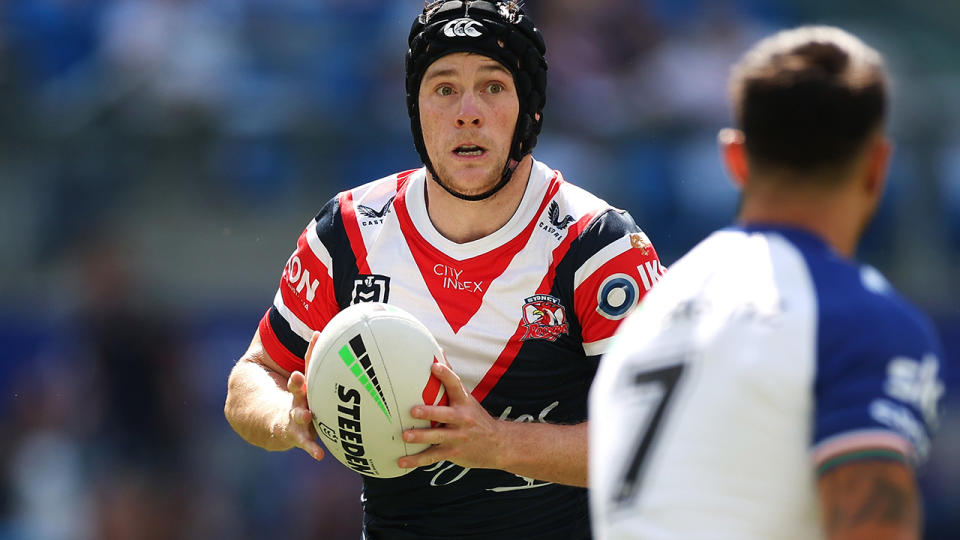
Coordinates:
158 159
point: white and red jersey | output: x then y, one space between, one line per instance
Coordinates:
522 315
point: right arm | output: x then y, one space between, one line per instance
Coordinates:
870 500
877 398
267 405
266 393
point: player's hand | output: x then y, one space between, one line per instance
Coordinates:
467 436
299 430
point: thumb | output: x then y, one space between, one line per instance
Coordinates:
297 385
451 382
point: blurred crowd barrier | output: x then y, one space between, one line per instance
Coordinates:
159 158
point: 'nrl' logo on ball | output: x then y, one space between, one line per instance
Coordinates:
544 318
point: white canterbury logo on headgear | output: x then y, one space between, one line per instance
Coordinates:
462 28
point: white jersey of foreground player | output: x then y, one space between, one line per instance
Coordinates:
759 356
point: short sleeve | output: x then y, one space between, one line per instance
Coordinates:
878 384
305 300
617 266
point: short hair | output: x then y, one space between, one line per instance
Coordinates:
808 99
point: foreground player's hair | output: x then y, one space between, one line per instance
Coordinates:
808 100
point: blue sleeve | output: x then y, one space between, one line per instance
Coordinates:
878 374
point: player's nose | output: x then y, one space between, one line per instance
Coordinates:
469 113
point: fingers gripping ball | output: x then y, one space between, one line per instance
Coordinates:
370 365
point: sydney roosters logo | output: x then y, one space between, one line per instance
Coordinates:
375 215
544 318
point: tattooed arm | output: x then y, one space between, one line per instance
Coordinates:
875 500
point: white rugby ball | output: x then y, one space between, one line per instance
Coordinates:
370 365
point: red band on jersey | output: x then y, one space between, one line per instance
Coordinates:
605 297
509 352
306 287
352 227
277 352
402 178
458 286
433 393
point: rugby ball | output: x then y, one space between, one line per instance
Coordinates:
370 365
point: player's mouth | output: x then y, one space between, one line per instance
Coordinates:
469 151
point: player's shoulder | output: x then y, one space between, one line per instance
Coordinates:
374 198
859 313
859 297
602 223
875 299
861 307
848 295
370 201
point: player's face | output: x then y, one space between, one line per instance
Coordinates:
468 112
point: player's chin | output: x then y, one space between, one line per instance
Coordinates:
471 190
464 184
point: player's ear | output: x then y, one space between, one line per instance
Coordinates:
733 150
878 161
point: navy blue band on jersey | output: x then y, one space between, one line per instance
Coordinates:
871 454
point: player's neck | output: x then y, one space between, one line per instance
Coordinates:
833 217
465 221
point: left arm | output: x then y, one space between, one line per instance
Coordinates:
870 500
471 438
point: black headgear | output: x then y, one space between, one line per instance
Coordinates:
498 30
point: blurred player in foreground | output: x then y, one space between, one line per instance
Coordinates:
769 386
521 276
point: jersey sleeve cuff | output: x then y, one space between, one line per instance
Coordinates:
277 352
596 348
861 444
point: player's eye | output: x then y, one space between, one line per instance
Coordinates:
495 88
444 90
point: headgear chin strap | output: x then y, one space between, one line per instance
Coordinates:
498 30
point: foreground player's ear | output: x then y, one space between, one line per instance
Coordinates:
878 162
733 150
